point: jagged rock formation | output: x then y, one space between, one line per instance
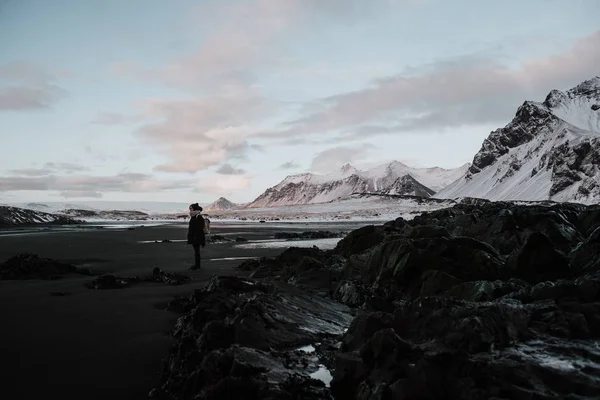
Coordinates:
549 151
14 216
481 300
393 178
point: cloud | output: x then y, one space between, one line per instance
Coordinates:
65 167
30 171
223 184
125 182
289 165
450 93
80 194
227 169
333 158
50 168
215 124
28 86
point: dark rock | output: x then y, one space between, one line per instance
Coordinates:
31 266
109 282
586 254
240 239
359 241
427 231
538 261
363 327
217 239
237 341
435 282
168 278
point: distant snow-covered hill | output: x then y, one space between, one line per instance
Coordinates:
549 151
112 215
392 178
14 216
221 204
148 207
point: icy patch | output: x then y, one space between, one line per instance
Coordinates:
324 244
307 349
231 258
566 357
323 375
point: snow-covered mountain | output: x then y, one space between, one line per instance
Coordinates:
549 151
14 216
221 204
392 178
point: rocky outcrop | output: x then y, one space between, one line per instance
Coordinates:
31 266
246 339
11 217
481 300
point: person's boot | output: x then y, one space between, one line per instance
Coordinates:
197 262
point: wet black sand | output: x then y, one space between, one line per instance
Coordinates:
105 344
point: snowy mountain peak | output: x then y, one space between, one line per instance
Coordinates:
348 169
579 106
589 86
549 151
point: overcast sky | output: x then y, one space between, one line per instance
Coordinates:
189 100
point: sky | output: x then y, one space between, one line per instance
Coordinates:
191 100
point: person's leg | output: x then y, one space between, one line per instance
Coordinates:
196 256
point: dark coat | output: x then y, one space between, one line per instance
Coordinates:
196 231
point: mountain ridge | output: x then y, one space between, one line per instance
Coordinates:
390 178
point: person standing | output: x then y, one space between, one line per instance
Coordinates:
196 236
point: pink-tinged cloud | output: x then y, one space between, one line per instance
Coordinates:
331 159
218 184
251 34
28 86
449 94
200 133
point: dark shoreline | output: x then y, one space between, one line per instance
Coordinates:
99 344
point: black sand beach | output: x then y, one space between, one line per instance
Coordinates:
99 344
